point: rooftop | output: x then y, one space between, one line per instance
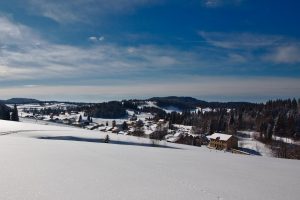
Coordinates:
223 137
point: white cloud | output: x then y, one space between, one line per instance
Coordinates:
219 3
93 38
131 49
30 86
240 40
54 61
96 39
28 59
212 3
241 47
287 54
13 33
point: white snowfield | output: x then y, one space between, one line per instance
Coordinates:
48 162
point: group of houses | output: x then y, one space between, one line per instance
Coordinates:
147 128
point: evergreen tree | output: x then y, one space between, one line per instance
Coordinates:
269 131
291 126
211 127
80 119
297 126
124 126
231 129
221 123
294 104
279 125
14 114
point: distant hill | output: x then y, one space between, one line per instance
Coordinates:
20 101
182 103
185 103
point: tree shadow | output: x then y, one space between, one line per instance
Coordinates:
101 140
250 151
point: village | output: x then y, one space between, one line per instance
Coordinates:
136 124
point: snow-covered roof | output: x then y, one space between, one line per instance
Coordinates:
177 134
173 139
115 129
223 137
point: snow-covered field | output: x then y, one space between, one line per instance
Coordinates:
44 106
51 162
170 109
248 142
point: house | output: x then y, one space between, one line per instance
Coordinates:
222 141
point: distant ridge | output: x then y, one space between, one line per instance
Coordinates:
19 101
185 103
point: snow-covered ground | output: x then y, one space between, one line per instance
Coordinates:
42 106
286 140
168 109
42 122
249 144
51 162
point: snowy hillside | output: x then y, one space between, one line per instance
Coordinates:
170 108
247 141
50 162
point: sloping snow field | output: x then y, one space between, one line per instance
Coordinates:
247 140
49 162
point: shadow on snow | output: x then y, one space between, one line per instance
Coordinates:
250 151
100 140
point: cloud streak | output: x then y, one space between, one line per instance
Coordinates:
219 3
241 47
13 33
28 57
81 10
240 40
286 54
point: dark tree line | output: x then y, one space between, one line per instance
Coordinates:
112 109
188 103
7 113
14 114
279 118
4 112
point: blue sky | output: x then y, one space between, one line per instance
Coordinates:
95 50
